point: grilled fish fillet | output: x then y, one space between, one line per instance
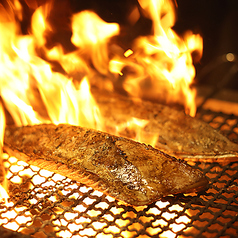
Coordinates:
178 133
130 171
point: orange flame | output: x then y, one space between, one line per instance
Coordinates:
162 63
34 93
3 180
160 67
2 126
29 85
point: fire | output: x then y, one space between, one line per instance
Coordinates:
3 180
136 125
162 63
2 126
42 85
32 92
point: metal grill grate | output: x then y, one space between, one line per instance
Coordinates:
44 204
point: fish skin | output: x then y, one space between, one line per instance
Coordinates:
178 134
135 173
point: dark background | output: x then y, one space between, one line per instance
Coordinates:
217 22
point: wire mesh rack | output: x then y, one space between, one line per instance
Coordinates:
45 204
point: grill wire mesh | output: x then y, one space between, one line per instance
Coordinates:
44 204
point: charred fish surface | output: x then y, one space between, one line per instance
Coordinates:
178 134
130 171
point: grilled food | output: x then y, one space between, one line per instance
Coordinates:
177 133
130 171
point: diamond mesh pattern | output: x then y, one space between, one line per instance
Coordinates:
44 204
